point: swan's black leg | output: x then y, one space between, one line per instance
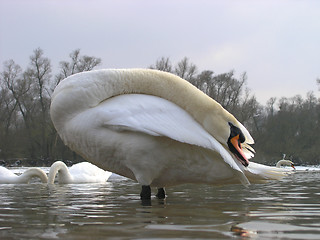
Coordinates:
145 193
161 193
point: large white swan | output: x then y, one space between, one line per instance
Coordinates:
155 128
83 172
284 162
7 176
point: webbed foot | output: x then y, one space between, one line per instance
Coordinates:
145 193
161 193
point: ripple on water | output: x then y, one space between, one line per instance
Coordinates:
287 209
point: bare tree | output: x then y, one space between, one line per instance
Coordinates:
203 81
18 89
185 69
7 121
226 89
311 100
39 74
16 85
231 93
77 64
163 64
270 106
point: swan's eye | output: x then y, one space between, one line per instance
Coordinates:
234 131
241 137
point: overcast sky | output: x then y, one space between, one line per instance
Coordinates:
276 42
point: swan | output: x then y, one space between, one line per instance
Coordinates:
83 172
155 128
284 162
6 176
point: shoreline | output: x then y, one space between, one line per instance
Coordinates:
26 162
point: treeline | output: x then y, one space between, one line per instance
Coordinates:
287 125
290 126
26 130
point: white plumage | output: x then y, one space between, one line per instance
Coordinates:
284 162
83 172
7 177
153 127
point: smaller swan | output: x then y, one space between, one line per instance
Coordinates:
6 176
83 172
284 162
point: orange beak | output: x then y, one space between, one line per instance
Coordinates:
239 153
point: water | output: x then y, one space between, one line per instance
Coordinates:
286 209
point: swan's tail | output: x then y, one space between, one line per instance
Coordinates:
257 173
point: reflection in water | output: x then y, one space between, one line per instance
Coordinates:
285 209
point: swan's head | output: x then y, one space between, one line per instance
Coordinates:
284 162
291 164
234 142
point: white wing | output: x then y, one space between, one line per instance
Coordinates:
158 117
155 116
86 172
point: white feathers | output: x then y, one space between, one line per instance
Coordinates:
256 172
6 176
158 117
284 162
155 116
78 173
149 126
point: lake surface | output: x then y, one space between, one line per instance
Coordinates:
286 209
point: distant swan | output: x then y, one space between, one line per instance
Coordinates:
78 173
7 176
284 162
155 128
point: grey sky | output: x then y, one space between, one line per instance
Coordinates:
276 42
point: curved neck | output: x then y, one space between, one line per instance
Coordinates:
62 169
79 92
33 172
